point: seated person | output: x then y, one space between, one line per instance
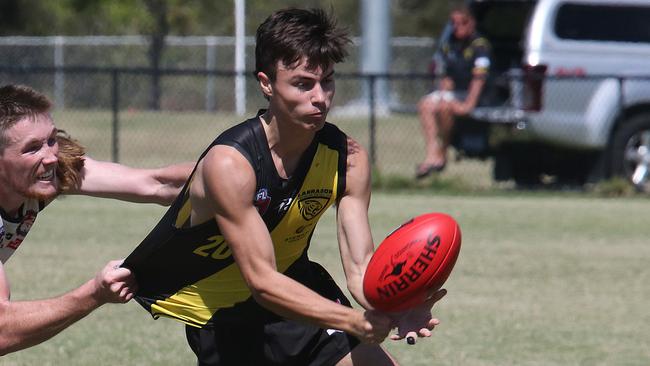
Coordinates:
466 61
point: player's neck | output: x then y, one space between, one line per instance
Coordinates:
10 203
285 138
286 144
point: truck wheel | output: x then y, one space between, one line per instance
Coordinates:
631 151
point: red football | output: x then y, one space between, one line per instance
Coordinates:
415 258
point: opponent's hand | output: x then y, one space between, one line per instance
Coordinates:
115 284
372 327
417 322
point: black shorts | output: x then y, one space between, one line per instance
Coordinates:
274 340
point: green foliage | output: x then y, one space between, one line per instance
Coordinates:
31 17
346 11
614 187
194 17
423 18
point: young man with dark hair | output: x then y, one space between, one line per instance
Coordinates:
230 256
37 163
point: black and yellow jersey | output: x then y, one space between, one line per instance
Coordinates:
188 272
464 59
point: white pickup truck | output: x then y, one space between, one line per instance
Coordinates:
573 78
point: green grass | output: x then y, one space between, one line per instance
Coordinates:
541 280
149 139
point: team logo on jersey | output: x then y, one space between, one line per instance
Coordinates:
312 202
285 204
262 200
301 229
301 232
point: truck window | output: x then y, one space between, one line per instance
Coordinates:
603 23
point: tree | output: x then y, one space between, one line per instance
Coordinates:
196 17
422 18
36 17
158 19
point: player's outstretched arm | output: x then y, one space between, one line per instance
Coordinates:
27 323
354 235
111 180
229 183
356 246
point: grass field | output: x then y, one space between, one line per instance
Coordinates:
149 139
541 280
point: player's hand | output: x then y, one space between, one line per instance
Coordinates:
372 327
417 322
115 284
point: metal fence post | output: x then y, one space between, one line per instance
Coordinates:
240 57
115 105
59 75
210 64
372 127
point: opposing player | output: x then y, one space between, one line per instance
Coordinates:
230 257
37 163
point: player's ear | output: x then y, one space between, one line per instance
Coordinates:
265 84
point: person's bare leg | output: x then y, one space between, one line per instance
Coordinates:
445 127
427 111
368 355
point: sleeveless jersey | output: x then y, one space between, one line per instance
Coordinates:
188 272
14 231
462 59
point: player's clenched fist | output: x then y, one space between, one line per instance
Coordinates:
115 284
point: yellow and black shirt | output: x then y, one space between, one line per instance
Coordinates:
464 59
188 272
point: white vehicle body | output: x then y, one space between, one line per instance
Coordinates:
574 77
588 82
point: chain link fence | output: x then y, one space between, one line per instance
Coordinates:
103 87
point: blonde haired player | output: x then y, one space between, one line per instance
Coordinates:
38 163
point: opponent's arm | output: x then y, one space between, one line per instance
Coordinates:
27 323
354 234
229 181
111 180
